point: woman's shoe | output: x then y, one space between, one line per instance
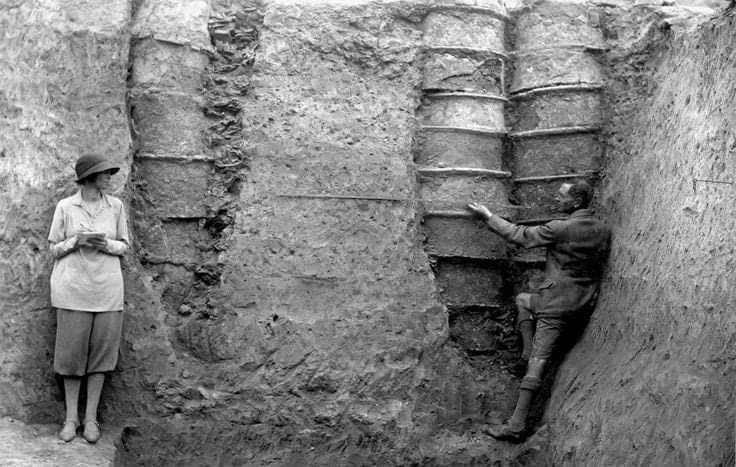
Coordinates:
91 431
69 431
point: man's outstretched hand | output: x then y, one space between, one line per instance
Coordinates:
480 210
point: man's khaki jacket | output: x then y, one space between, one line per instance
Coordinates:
577 248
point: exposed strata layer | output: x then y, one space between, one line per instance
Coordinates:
319 328
300 330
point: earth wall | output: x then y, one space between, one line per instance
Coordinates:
262 322
652 381
281 307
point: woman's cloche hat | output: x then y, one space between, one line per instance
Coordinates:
92 163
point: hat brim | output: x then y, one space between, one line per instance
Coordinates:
97 168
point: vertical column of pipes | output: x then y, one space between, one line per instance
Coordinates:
190 69
459 158
556 114
172 161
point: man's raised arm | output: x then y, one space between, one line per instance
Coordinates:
528 237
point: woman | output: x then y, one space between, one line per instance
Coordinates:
88 235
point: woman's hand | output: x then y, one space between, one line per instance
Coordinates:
76 242
97 243
480 210
80 241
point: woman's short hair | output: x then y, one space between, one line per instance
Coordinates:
86 179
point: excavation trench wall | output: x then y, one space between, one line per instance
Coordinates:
269 322
63 92
62 88
652 381
275 200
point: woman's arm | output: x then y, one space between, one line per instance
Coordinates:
115 247
120 245
59 245
63 248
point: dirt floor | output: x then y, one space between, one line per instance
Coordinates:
36 445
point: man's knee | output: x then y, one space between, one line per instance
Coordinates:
524 300
523 305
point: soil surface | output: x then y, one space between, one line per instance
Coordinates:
24 445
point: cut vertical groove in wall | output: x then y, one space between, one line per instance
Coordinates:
460 158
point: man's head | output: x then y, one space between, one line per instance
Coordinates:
574 196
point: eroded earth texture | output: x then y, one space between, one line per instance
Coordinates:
305 287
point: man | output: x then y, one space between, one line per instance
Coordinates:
577 248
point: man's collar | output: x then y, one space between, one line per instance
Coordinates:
77 198
581 213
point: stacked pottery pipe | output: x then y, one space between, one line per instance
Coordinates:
460 157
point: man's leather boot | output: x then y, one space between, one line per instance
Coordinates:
514 429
